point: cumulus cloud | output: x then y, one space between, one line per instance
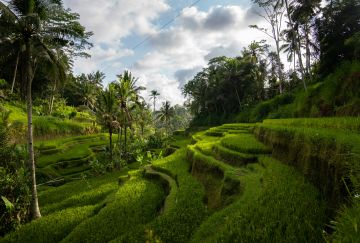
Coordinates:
175 54
113 20
181 51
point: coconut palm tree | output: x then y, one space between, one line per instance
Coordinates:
38 25
128 97
153 96
165 115
107 108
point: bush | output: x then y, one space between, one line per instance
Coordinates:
155 141
14 183
263 109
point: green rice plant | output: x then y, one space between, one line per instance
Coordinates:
328 158
214 133
79 152
68 141
91 196
49 196
185 209
341 123
74 149
277 205
244 143
237 126
51 228
220 180
73 170
17 112
232 157
47 126
347 223
135 203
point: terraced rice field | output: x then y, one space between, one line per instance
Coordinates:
226 186
63 159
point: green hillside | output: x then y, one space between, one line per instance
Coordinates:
180 121
226 186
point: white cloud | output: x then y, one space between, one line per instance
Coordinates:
175 54
112 20
197 36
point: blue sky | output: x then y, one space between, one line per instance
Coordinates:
171 55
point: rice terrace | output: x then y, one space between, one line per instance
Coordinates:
179 121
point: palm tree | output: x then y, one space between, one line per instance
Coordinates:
165 114
153 96
128 97
107 108
88 94
96 78
37 24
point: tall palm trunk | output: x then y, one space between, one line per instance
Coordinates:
298 48
121 132
110 143
308 52
276 35
15 72
125 133
154 104
302 69
35 203
52 98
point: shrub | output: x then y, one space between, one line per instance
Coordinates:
155 141
263 109
14 183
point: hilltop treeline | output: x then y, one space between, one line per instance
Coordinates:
316 41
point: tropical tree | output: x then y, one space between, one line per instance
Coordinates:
107 108
96 78
153 96
88 94
340 22
273 14
40 24
166 114
128 97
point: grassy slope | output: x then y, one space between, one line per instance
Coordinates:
184 209
48 127
134 203
337 95
327 151
66 157
262 201
274 202
277 205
